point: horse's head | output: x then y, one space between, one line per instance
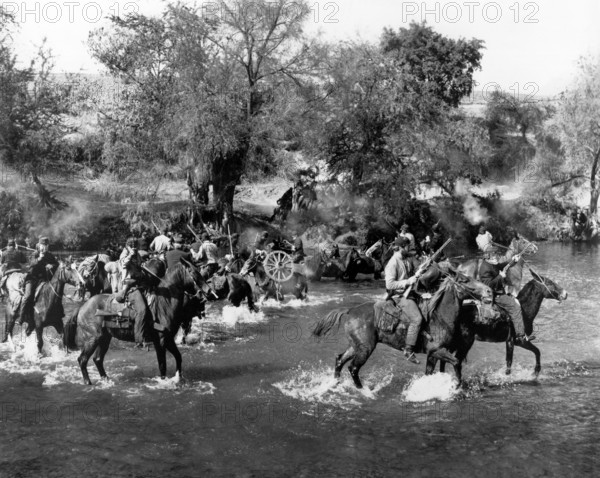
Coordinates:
193 283
67 272
469 288
550 289
250 265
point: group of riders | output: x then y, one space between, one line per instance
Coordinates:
129 278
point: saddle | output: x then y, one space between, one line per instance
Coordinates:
388 316
487 313
116 315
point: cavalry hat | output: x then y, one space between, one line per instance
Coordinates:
44 240
401 242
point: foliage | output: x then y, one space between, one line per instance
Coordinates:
32 105
441 66
577 127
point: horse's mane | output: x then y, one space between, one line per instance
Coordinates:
167 290
436 299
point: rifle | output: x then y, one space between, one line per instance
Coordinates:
423 267
230 244
192 231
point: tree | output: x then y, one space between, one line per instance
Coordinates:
577 126
515 128
214 93
385 133
440 65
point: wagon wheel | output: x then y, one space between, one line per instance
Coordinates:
278 266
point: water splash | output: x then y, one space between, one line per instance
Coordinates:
439 386
178 383
233 315
24 357
317 385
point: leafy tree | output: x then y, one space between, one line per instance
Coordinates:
385 134
214 93
440 65
577 127
32 105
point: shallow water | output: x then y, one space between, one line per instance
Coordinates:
257 397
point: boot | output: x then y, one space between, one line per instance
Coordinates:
127 285
410 355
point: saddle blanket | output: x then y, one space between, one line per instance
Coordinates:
485 312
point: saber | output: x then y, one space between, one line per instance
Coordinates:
192 231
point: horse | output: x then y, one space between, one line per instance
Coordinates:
499 328
356 262
93 276
323 264
284 205
48 307
514 274
232 286
172 303
272 289
304 197
365 328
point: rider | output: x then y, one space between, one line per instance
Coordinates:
484 239
175 255
42 267
161 243
491 273
435 241
130 263
208 254
300 281
399 274
11 260
405 233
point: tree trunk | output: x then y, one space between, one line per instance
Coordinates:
595 194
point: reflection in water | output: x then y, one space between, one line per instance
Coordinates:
258 393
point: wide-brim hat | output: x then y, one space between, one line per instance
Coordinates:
44 240
401 242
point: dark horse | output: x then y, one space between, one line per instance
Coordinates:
172 303
48 307
358 263
271 289
499 329
230 285
363 327
321 264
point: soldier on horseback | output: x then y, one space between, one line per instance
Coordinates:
42 267
492 273
208 255
12 261
399 275
130 263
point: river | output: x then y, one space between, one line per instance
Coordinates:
258 399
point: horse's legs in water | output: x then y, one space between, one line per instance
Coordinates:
362 355
103 345
161 354
341 359
439 353
442 366
39 333
86 352
9 320
250 299
510 347
171 346
529 346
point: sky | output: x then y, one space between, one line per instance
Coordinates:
530 47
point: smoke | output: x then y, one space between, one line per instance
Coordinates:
472 211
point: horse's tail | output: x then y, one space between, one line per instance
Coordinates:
70 331
329 322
